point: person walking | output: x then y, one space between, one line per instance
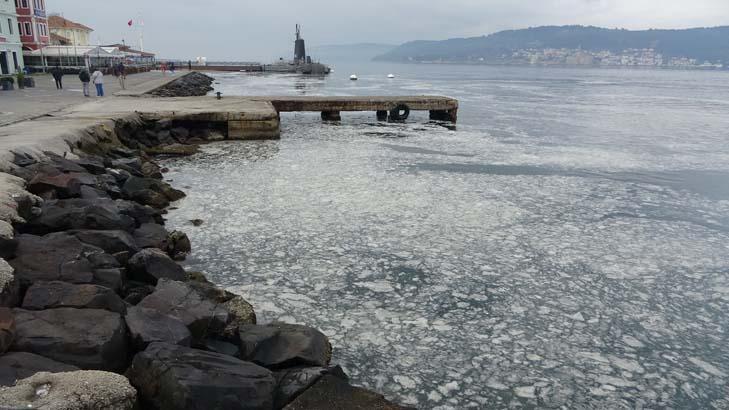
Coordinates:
122 75
85 78
57 74
98 79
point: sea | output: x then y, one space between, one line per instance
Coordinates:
564 245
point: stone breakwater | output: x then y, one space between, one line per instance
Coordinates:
96 312
189 85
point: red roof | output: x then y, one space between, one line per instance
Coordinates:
60 22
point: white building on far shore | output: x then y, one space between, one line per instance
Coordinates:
11 48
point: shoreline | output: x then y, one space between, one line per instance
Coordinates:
92 268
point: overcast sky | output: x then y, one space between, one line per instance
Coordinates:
262 30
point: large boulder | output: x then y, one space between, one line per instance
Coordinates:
60 185
280 345
110 241
334 393
56 256
136 184
178 299
148 326
151 235
179 245
7 329
78 213
151 265
171 377
56 294
87 338
79 390
293 381
19 365
9 285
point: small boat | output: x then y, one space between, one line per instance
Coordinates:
391 76
353 77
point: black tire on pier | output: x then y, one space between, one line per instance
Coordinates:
400 113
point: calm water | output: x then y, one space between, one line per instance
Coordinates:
566 246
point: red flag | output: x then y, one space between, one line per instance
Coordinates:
129 23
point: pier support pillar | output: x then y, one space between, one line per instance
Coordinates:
331 116
381 115
444 115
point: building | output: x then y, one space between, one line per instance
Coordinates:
68 33
32 23
11 48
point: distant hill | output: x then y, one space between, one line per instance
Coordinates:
350 52
702 44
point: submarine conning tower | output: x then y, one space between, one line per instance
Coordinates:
299 47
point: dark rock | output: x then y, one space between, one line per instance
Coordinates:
222 347
9 285
88 192
94 165
174 377
179 150
179 244
62 164
87 338
148 326
23 159
181 134
49 295
122 152
241 313
150 197
7 329
292 382
119 175
135 184
65 214
333 393
20 365
111 241
150 265
134 292
196 222
56 256
202 316
8 244
122 257
103 261
64 185
165 137
281 345
133 165
112 278
140 213
151 235
151 170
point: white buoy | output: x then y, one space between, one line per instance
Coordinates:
391 76
353 77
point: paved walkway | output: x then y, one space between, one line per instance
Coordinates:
19 105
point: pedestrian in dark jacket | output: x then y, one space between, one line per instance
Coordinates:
57 74
85 78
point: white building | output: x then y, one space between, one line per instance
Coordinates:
11 48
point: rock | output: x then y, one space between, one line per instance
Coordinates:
241 313
111 278
103 261
87 338
94 165
174 150
135 184
151 235
111 241
61 163
7 329
64 185
281 345
202 316
148 326
220 346
196 222
140 213
150 265
79 390
134 292
151 170
9 285
49 295
174 377
150 197
123 152
181 134
20 365
179 244
331 392
8 244
65 214
292 382
56 256
88 192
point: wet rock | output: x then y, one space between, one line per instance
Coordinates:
148 326
196 222
178 244
79 390
135 184
202 316
65 214
56 256
175 377
9 285
151 170
151 198
15 366
280 345
150 265
174 150
151 235
111 241
49 295
331 392
241 313
292 382
87 338
7 329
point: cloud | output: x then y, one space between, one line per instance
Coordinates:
235 30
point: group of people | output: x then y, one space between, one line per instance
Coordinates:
94 76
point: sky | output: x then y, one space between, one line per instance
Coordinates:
241 30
